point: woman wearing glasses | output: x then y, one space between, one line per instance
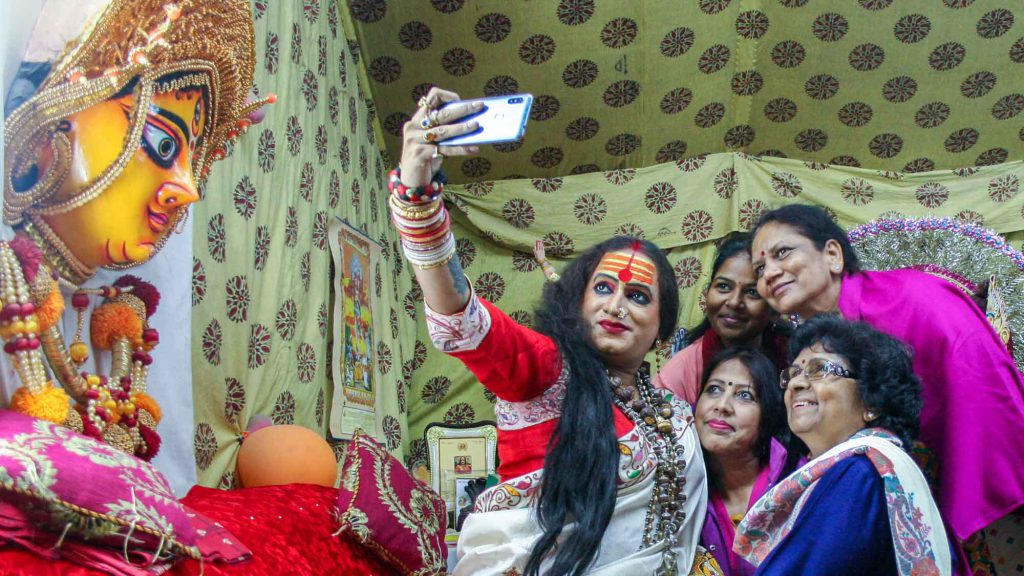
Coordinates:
972 413
861 505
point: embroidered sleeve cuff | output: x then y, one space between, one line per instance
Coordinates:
461 331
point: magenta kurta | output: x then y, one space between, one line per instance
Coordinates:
973 413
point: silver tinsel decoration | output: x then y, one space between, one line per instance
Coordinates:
967 250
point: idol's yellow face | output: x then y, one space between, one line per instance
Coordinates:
126 222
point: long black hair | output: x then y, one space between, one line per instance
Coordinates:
735 244
814 224
885 375
581 466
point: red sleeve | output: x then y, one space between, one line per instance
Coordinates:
513 361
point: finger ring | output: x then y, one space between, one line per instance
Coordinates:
424 102
430 120
429 137
437 155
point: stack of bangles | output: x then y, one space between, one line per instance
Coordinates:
422 221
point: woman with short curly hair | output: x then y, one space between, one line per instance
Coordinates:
861 505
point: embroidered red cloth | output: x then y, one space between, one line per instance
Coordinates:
288 528
388 510
65 481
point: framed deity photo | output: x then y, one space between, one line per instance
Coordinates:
459 453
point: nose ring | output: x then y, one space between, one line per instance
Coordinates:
622 313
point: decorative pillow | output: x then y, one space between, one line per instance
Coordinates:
385 508
65 481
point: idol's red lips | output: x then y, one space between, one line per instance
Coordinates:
157 221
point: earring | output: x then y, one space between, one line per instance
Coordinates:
869 416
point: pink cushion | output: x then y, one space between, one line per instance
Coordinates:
66 481
385 508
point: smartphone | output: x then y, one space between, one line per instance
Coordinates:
502 119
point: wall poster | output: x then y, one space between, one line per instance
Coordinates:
354 344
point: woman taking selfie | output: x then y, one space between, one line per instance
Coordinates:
601 473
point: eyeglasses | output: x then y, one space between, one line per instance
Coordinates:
815 371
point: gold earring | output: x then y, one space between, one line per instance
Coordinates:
869 416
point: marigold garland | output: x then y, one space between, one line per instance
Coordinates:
113 321
146 402
50 310
51 404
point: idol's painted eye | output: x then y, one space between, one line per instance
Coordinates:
197 116
161 147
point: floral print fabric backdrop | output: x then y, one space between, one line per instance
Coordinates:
622 115
261 297
887 84
683 207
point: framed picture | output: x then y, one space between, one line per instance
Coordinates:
458 454
464 496
466 491
355 312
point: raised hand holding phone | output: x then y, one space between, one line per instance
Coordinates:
501 119
424 135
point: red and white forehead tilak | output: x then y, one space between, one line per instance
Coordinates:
628 266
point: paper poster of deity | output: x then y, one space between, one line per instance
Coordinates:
355 397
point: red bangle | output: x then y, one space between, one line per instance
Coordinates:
427 193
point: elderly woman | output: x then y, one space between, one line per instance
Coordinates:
601 473
973 395
735 315
861 505
739 418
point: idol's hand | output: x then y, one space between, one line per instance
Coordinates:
423 146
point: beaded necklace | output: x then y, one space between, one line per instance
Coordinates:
114 408
651 412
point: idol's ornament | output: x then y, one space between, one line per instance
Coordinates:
101 164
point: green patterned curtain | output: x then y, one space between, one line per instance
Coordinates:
262 270
895 85
898 87
683 207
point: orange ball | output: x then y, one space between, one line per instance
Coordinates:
286 454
